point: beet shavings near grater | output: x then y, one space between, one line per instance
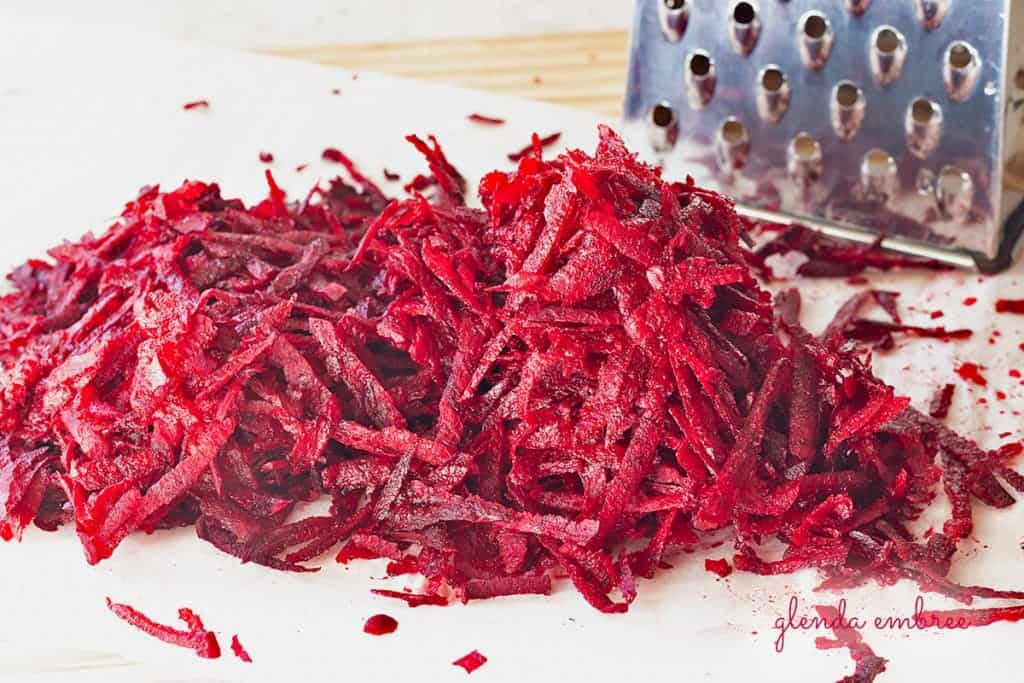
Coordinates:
893 121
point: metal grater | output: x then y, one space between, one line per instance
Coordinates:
892 119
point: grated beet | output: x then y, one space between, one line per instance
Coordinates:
868 665
487 120
412 599
196 638
580 380
941 402
266 157
196 104
829 257
536 147
239 650
380 625
334 155
471 662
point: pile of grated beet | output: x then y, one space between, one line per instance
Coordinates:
575 381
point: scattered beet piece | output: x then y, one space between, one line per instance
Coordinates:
869 666
266 157
380 625
889 301
391 176
720 567
935 315
573 382
334 155
412 599
486 120
971 372
536 147
420 183
335 91
196 104
239 650
196 638
471 662
1010 306
828 257
970 301
941 402
301 167
881 332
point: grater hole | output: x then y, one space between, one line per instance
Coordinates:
744 13
733 131
663 116
815 25
701 79
772 79
700 64
879 162
923 127
664 128
953 180
674 17
888 40
923 111
816 39
961 56
848 95
1018 79
806 147
954 192
961 70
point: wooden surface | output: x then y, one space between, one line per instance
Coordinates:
585 70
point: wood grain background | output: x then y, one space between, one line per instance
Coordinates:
585 70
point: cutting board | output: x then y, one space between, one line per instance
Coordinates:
585 70
88 118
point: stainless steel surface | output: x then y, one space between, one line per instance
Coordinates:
893 118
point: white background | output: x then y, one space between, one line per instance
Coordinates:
86 118
265 24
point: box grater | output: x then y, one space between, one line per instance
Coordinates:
892 120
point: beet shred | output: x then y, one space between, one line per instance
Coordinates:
196 638
580 380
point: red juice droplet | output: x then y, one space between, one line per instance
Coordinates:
380 625
971 372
